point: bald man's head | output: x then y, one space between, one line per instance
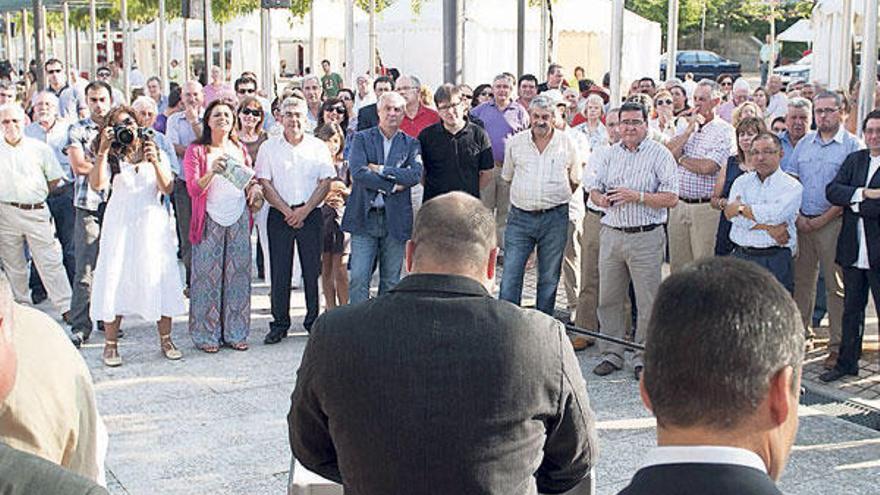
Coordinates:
455 234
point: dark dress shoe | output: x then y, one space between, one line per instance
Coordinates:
834 375
605 368
38 297
274 337
637 372
77 340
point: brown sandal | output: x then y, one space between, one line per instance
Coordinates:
239 346
111 356
168 348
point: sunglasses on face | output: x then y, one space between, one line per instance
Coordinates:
339 110
245 91
486 94
103 74
663 102
727 83
252 111
467 97
54 71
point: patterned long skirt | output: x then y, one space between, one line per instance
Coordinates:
220 289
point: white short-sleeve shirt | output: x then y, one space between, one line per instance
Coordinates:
295 171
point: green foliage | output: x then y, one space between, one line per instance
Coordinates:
750 17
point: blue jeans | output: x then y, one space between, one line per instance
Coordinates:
526 230
365 248
779 263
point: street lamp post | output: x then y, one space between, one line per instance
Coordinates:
869 62
616 49
671 39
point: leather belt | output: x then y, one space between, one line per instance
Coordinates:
765 251
596 212
810 216
635 230
541 212
695 201
23 206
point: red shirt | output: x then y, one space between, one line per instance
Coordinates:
424 117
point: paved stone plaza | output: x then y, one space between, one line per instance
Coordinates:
217 423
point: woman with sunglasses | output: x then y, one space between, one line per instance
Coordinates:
482 94
663 119
333 110
252 136
726 83
220 299
736 165
136 273
346 96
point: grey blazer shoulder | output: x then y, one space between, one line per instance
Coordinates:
26 474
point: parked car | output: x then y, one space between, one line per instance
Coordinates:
702 63
798 71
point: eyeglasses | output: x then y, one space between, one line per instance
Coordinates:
255 112
487 94
103 74
345 98
467 96
243 91
825 111
449 106
339 110
727 83
663 102
401 89
54 71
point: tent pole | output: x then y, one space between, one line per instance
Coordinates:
671 39
93 38
450 38
206 31
265 42
7 36
187 70
126 52
65 12
222 39
520 36
869 62
542 64
163 48
845 47
25 38
314 68
40 42
616 50
372 56
349 42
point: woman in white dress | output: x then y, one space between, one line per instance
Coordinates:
136 273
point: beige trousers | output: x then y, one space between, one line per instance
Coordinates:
815 250
35 227
571 263
636 257
692 229
588 298
496 197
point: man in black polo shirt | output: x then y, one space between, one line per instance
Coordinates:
457 154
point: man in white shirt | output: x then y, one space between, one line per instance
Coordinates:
721 430
778 102
763 211
295 170
30 171
543 169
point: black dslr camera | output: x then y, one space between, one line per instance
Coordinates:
123 136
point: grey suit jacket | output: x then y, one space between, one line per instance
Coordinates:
26 474
438 388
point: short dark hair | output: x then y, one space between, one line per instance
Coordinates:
98 85
650 80
552 67
325 61
174 96
383 79
445 93
527 77
766 135
154 78
244 80
873 114
720 329
454 229
750 124
632 106
53 61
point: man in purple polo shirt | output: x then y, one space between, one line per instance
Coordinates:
502 118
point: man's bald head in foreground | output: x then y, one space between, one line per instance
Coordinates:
454 234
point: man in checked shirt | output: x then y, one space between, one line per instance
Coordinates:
635 182
700 151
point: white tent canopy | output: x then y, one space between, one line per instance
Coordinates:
800 31
244 35
582 34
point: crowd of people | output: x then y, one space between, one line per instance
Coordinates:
595 194
106 195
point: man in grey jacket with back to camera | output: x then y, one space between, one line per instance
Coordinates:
437 387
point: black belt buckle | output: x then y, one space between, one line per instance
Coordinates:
637 230
695 201
765 251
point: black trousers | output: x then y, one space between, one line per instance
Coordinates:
281 243
856 283
778 262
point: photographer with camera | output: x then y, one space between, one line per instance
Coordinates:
137 240
221 183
